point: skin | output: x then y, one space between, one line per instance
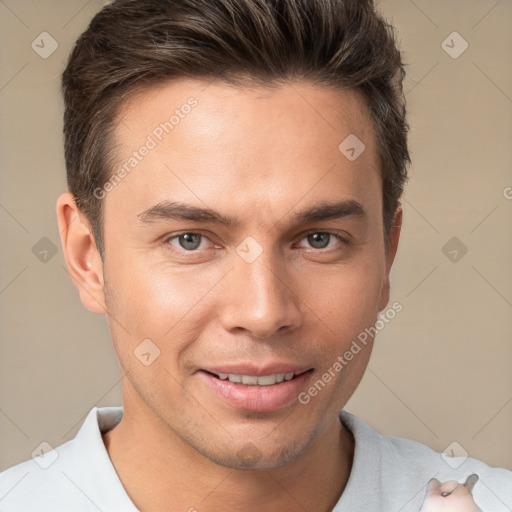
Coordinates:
258 155
450 496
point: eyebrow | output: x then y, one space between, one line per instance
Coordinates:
167 210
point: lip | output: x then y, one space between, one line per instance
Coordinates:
256 398
257 371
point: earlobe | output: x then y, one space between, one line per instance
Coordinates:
82 257
394 237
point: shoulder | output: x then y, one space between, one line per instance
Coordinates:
77 475
405 466
41 480
493 490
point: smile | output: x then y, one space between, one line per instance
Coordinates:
259 393
253 380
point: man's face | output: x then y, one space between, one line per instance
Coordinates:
272 293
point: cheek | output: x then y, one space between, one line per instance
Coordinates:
154 296
347 300
169 306
344 309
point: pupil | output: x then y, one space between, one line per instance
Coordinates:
190 241
316 242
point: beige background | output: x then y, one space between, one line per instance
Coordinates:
442 369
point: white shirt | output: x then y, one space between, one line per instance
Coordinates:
388 474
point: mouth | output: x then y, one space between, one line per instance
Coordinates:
255 380
258 393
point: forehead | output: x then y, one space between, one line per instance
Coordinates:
214 144
256 109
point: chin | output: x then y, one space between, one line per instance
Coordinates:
258 455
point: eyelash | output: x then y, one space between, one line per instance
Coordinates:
335 234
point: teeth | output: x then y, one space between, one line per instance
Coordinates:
267 380
252 380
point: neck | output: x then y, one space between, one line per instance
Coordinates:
157 469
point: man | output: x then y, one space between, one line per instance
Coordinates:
234 170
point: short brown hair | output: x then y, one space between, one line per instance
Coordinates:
134 44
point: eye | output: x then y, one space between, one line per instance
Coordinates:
188 241
191 241
321 239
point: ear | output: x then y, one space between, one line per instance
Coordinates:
82 257
471 480
394 237
433 487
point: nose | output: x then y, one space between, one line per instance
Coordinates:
260 299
